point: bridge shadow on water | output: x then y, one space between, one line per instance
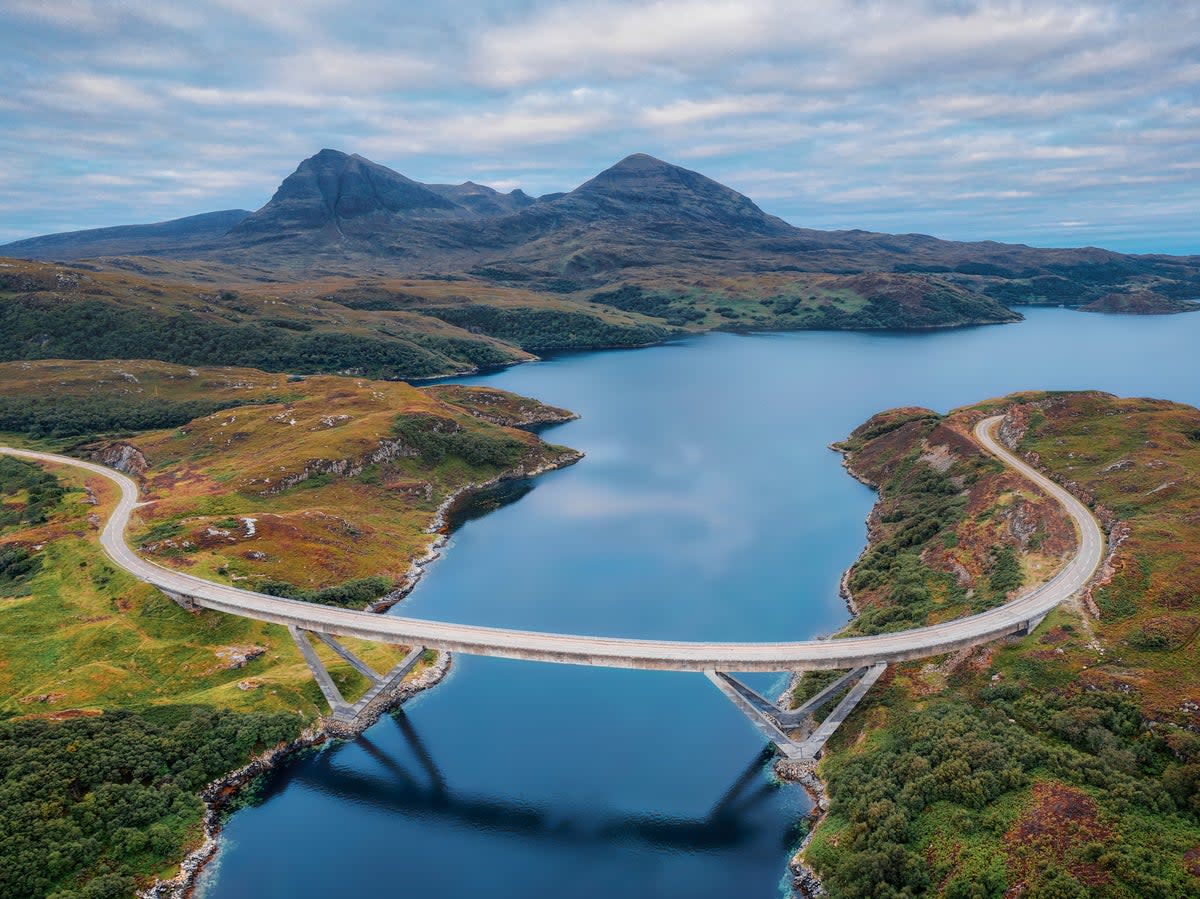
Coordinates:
418 788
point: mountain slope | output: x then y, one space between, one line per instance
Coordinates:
121 240
483 200
332 196
640 187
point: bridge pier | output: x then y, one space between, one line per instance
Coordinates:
777 724
1031 625
184 602
340 708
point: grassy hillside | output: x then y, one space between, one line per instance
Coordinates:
221 316
61 399
1065 763
323 488
207 314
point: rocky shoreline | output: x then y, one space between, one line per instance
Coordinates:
439 525
805 882
218 795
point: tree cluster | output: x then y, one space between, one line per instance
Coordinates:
961 757
90 804
543 330
352 594
437 438
31 328
42 492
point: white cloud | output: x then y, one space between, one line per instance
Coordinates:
620 39
224 98
89 16
961 117
347 69
93 93
690 112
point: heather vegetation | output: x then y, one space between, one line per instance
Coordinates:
938 802
101 759
915 570
336 487
1062 764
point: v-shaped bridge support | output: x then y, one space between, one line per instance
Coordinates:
340 709
774 722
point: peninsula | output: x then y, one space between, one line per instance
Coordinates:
1060 763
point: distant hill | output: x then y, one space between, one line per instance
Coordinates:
122 240
1142 302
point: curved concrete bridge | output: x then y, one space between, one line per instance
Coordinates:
865 656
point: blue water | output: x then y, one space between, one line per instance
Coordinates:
708 507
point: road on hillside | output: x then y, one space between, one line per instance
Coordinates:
1013 617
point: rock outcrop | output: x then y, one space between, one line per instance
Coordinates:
123 457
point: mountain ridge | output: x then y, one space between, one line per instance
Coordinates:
641 223
84 241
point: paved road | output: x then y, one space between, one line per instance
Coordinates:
612 651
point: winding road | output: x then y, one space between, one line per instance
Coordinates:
1017 616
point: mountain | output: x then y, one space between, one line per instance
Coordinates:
162 237
331 197
340 205
645 238
483 200
642 188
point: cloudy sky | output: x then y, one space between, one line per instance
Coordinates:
1042 122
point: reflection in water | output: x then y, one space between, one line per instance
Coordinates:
397 788
707 508
475 505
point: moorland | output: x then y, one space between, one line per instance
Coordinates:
1064 763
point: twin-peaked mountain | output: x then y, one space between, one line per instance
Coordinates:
645 235
335 204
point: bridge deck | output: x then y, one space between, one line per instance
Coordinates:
616 652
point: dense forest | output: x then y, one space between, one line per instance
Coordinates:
544 330
36 329
960 760
93 803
